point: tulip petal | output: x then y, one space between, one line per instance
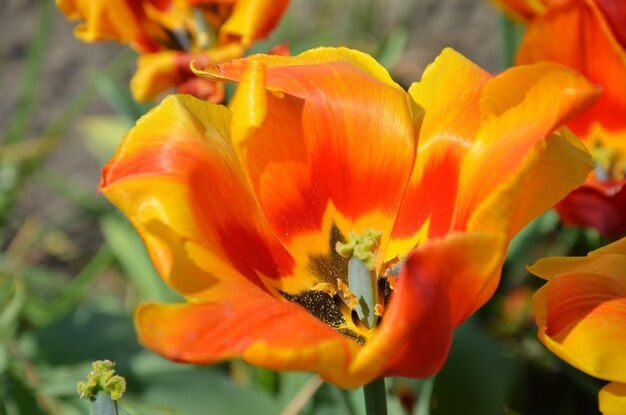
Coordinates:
613 399
429 301
601 205
550 170
325 130
521 108
581 38
178 168
582 319
610 257
262 330
118 20
159 71
615 14
449 126
113 20
252 20
233 71
617 247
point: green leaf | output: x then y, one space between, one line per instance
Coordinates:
11 312
201 391
289 384
23 397
393 47
74 291
478 377
102 134
72 191
375 394
60 380
129 250
512 34
4 358
265 380
118 96
98 329
528 236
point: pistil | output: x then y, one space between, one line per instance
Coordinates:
361 292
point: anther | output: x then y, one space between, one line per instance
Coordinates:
348 296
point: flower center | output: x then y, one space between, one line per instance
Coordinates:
350 295
609 163
187 28
361 292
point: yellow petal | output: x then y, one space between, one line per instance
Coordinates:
613 399
336 141
252 20
581 311
177 179
522 108
448 128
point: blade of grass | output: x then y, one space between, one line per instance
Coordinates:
118 96
130 252
393 47
344 398
12 180
22 151
11 312
27 95
26 103
72 191
28 233
24 397
72 293
303 396
512 33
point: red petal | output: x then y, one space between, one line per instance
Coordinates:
601 205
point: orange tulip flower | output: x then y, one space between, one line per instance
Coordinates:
329 221
581 314
170 34
590 37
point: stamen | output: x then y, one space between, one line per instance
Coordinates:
362 278
378 310
394 267
392 282
346 295
325 288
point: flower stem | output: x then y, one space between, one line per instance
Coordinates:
375 397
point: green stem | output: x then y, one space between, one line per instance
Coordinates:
375 397
426 391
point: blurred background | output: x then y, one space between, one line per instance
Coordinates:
72 270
